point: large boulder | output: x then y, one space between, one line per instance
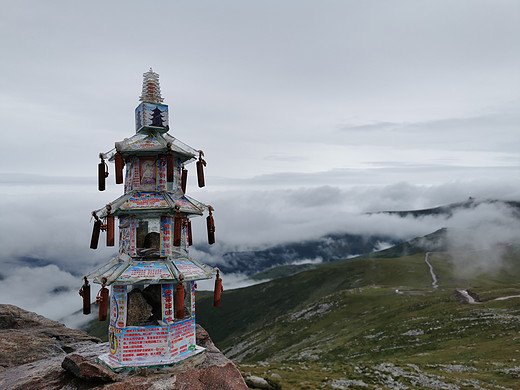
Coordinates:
26 337
37 353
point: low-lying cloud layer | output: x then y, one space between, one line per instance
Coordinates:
54 226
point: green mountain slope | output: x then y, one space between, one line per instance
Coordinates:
375 322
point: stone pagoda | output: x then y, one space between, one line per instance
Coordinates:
153 277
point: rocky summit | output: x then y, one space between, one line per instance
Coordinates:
38 353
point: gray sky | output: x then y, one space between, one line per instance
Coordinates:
271 89
303 109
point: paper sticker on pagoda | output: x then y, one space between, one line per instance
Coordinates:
188 268
145 200
151 115
167 303
145 270
149 142
166 236
118 307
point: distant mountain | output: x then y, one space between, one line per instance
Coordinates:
448 210
296 256
433 242
324 249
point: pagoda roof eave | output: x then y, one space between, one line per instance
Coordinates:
152 143
179 146
124 269
171 202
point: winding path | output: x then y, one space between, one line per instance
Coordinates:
434 277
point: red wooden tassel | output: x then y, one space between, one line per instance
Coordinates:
110 230
200 169
119 167
184 179
95 234
102 300
170 167
179 300
101 176
85 293
200 173
190 237
218 290
210 224
177 230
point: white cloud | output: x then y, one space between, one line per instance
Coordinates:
48 290
479 238
317 260
230 281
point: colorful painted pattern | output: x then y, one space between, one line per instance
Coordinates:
128 177
161 174
149 142
193 284
145 200
187 268
118 306
151 344
145 270
166 236
167 303
136 180
144 114
133 236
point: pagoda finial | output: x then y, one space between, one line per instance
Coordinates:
151 89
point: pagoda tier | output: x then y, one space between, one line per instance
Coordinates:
123 269
151 88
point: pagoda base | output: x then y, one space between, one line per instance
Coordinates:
179 359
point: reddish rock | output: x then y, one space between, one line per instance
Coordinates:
26 337
33 355
85 369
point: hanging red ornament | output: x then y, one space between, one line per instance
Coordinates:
184 179
177 229
200 169
190 236
95 234
85 293
179 299
210 224
102 173
102 301
110 230
170 167
118 159
218 290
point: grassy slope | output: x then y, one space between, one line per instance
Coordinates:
345 322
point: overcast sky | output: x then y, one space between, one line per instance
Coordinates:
302 108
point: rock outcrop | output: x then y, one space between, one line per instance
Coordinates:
38 353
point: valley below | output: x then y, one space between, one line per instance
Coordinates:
376 323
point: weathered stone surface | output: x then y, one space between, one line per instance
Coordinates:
138 311
153 295
43 369
83 368
257 383
26 337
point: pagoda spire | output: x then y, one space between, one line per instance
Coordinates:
151 89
